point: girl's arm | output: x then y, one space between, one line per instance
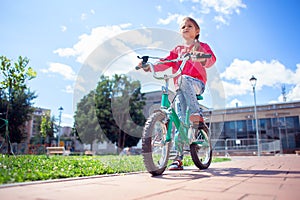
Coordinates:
208 62
162 67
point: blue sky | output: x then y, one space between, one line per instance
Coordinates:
259 38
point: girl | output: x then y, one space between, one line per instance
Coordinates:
193 78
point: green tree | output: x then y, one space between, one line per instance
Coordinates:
86 123
16 97
102 103
119 104
47 126
112 111
127 105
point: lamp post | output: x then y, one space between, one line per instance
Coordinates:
59 127
253 83
278 123
6 133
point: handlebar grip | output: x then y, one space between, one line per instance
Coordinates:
144 67
137 68
203 56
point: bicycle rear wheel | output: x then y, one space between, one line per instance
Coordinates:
201 151
155 149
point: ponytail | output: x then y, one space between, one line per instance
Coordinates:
196 45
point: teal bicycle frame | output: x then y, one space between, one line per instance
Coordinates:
182 127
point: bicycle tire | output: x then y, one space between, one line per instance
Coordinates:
155 149
202 154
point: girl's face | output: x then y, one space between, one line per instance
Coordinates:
188 30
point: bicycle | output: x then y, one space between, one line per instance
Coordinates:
158 132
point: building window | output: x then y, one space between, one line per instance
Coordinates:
217 130
230 130
265 128
292 123
251 130
241 129
292 132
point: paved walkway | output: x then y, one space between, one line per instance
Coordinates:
243 178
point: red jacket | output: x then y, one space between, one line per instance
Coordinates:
193 69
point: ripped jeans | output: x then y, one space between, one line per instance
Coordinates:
189 87
186 98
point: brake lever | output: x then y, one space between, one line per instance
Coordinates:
144 62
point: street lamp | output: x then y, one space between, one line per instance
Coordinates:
278 123
59 127
253 83
6 135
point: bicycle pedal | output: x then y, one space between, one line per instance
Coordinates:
195 125
201 125
198 126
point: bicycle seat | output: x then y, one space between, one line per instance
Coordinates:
199 97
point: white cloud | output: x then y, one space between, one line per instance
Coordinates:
125 25
177 18
159 8
83 16
66 52
62 69
169 19
224 7
221 19
272 74
234 103
69 89
294 94
63 28
88 42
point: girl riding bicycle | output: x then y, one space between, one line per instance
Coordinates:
193 79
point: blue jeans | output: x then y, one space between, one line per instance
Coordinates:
186 98
189 87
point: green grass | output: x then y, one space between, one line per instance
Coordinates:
24 168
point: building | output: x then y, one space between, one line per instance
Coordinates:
278 121
33 125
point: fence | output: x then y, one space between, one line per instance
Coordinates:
220 147
245 146
23 148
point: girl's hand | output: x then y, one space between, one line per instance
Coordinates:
146 69
139 65
201 60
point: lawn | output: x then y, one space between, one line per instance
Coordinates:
24 168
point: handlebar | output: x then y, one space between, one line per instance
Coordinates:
184 59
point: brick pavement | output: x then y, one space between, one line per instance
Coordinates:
243 178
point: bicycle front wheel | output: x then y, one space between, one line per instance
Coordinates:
155 149
201 150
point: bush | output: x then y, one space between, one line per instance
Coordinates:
24 168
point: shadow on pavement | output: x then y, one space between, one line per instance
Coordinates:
186 174
190 174
231 172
